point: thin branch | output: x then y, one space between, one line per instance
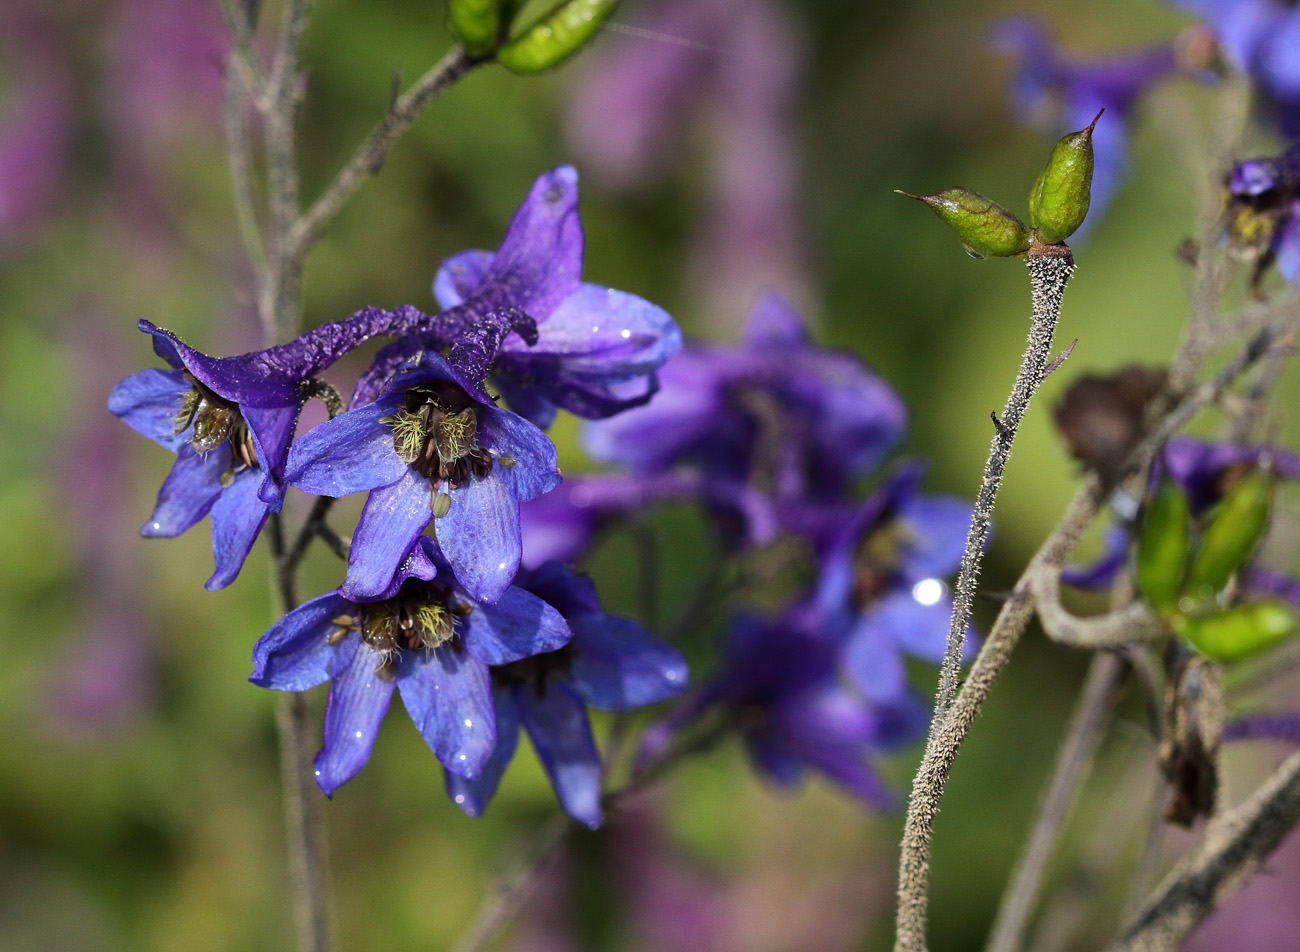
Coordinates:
1235 845
243 58
370 155
1073 763
1048 274
1134 622
308 846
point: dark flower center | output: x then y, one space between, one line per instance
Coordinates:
877 560
421 616
217 421
436 433
535 671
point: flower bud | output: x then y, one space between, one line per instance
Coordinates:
1235 528
986 229
556 37
1239 631
1058 202
1164 543
476 23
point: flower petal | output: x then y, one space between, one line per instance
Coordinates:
873 661
937 535
237 517
148 402
391 520
272 432
518 625
448 695
460 276
619 665
535 469
187 493
351 453
293 655
557 724
358 700
539 262
479 535
472 796
774 323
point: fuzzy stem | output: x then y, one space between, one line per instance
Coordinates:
1049 272
1073 762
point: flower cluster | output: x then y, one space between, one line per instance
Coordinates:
433 604
773 438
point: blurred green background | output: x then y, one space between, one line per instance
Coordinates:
139 778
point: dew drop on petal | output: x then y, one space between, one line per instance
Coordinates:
625 334
468 722
460 798
358 735
928 591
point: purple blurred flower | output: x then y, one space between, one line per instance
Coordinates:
1062 93
431 446
596 349
36 121
732 66
1261 39
425 636
776 414
780 686
882 592
1263 220
612 664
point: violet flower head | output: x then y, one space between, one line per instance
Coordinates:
596 349
780 685
777 414
882 592
427 638
1059 92
1263 216
432 446
612 664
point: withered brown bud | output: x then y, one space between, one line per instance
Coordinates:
1189 750
1101 417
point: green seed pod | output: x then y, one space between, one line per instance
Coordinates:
1235 528
986 229
556 37
1239 631
1058 202
476 23
1163 545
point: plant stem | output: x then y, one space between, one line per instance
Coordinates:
1073 762
1049 272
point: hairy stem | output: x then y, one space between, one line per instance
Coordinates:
1048 274
1073 762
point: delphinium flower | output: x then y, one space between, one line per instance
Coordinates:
1059 92
780 685
424 636
430 448
612 664
1260 39
882 589
589 349
1263 212
777 414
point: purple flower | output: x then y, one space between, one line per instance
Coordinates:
431 446
1263 220
780 686
1260 38
1061 93
881 592
425 636
612 664
596 349
777 414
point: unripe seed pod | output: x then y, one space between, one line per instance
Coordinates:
556 37
1164 543
1239 631
476 23
1235 528
1059 200
986 229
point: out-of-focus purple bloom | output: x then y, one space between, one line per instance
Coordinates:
1062 93
776 414
36 121
882 589
430 446
612 664
1275 725
424 636
1261 39
1205 471
732 66
780 685
596 349
1263 218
